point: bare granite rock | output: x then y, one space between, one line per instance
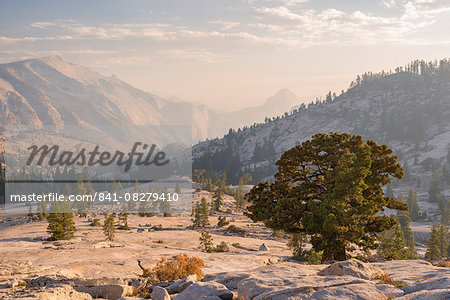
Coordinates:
443 294
360 291
352 267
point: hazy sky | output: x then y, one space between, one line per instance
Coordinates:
228 53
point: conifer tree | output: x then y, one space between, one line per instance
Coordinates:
393 245
123 218
178 188
82 205
109 226
218 197
443 240
206 242
433 246
435 187
42 210
201 214
60 221
330 187
297 243
413 207
408 234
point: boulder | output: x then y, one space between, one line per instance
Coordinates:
200 290
263 247
352 267
230 280
61 292
159 293
107 291
180 285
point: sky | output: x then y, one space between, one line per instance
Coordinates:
228 54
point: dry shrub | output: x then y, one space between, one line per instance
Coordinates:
444 264
176 268
386 279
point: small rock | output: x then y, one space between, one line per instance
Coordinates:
159 293
263 247
352 267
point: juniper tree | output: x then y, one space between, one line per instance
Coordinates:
330 187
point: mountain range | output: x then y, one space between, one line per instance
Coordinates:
50 91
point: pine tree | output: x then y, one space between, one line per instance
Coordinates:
433 246
413 207
435 187
60 221
178 188
443 240
296 244
123 218
83 205
393 245
42 210
218 197
239 197
109 226
201 214
408 234
206 242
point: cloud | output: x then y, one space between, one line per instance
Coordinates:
329 26
225 25
389 3
42 25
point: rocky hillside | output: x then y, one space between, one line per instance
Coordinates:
409 110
